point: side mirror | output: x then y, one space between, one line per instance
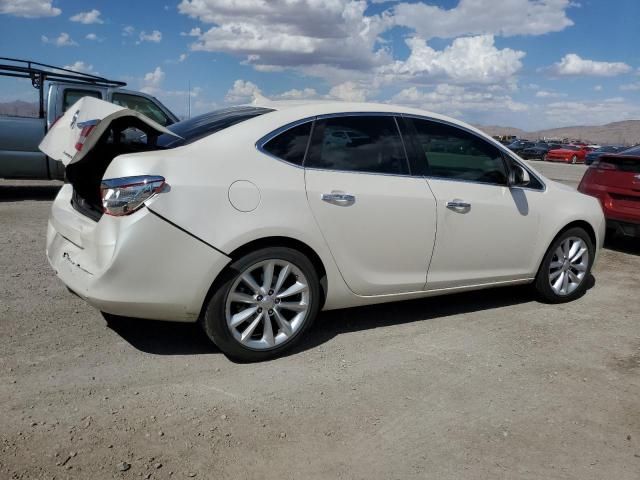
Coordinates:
518 176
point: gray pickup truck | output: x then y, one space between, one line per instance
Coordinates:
58 89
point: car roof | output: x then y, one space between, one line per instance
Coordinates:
309 108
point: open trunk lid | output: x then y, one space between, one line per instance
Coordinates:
77 131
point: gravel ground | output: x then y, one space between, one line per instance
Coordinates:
483 385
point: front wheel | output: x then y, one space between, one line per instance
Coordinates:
263 304
574 159
566 266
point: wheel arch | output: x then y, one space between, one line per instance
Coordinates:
273 241
586 226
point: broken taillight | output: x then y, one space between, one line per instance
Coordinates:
123 196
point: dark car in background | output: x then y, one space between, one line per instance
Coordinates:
520 145
595 154
615 180
539 150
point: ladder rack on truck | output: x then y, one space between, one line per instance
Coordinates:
41 72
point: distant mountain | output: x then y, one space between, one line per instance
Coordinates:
625 133
19 108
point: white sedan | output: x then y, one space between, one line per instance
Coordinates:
252 219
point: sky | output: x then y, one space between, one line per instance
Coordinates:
530 64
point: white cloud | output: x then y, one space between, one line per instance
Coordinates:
93 37
284 34
296 94
457 100
466 60
80 66
182 57
630 87
152 81
243 91
29 8
128 30
92 16
349 92
597 88
548 94
572 64
591 112
155 36
194 32
473 17
62 40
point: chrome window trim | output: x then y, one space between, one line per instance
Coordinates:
264 139
269 136
498 145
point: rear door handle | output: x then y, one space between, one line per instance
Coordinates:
458 206
339 198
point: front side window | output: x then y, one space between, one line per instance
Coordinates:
142 105
290 145
456 154
71 96
369 144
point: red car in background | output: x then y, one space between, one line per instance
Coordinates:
568 154
615 180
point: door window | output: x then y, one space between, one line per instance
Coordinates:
71 96
456 154
142 105
358 144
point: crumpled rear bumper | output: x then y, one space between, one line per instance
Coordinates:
138 265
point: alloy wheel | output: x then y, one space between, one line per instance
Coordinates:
568 266
267 304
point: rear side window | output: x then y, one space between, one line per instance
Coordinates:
71 96
358 144
456 154
290 145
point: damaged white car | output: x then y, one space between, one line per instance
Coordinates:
252 219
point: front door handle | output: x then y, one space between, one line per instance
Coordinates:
339 198
459 206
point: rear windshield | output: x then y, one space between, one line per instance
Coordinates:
624 163
203 125
631 151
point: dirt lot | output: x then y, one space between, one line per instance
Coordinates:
484 385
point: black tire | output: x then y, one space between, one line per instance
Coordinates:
214 318
542 284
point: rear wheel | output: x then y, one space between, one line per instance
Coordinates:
544 157
566 266
263 304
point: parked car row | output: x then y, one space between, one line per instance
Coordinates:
567 153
